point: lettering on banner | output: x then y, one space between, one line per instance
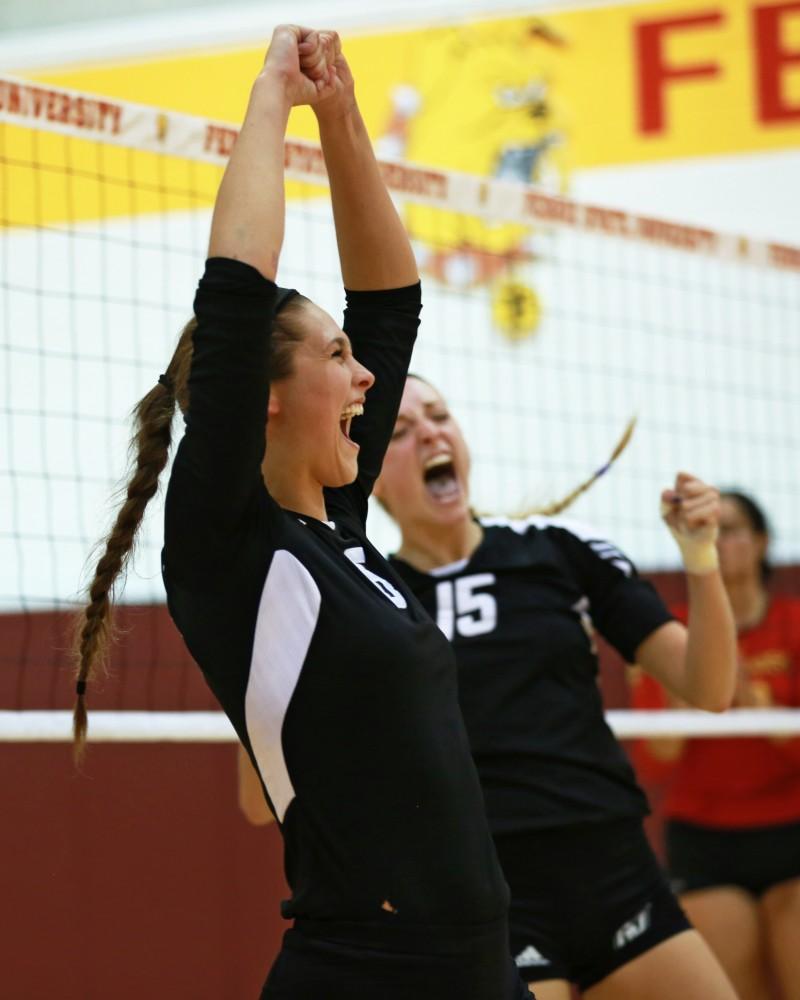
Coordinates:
608 220
653 70
784 256
304 159
546 208
219 139
411 180
675 235
45 104
774 59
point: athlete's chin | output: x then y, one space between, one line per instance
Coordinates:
449 511
344 475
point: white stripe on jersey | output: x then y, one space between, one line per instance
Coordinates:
604 549
611 553
454 567
287 617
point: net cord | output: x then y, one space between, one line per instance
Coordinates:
192 137
214 727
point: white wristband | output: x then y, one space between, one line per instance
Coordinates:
699 557
699 552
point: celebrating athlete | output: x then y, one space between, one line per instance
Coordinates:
340 687
520 601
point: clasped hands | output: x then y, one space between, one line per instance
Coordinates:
310 66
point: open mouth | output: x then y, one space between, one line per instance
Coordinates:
441 481
346 419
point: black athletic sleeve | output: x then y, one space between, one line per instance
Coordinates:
624 608
216 483
382 327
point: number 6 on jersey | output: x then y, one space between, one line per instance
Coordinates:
459 609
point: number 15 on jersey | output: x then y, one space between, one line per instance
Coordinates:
461 609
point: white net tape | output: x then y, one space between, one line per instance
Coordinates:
214 727
142 127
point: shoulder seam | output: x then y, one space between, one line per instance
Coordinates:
584 533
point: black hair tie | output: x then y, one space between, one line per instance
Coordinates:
166 381
284 295
80 688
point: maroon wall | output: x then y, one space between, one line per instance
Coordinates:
139 877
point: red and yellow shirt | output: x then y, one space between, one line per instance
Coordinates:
738 781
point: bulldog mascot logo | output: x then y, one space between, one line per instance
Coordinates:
482 101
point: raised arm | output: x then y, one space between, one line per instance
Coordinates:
378 267
374 249
217 374
697 662
248 218
216 480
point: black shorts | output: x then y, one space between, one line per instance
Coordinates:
327 961
754 859
585 900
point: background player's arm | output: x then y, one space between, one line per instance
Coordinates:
251 795
697 662
651 755
666 749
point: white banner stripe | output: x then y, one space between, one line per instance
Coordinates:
214 727
140 126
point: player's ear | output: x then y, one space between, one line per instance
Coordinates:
274 406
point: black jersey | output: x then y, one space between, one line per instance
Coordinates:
334 677
521 614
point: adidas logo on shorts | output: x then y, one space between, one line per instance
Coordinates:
633 929
529 957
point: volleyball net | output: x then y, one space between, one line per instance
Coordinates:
213 727
547 322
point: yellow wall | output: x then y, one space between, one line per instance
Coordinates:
593 79
476 86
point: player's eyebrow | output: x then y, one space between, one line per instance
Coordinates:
340 341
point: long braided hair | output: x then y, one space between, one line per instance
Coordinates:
149 452
551 509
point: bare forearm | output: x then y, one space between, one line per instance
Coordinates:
709 677
251 797
666 750
699 664
249 212
374 249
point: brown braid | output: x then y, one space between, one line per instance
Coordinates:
149 450
555 508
